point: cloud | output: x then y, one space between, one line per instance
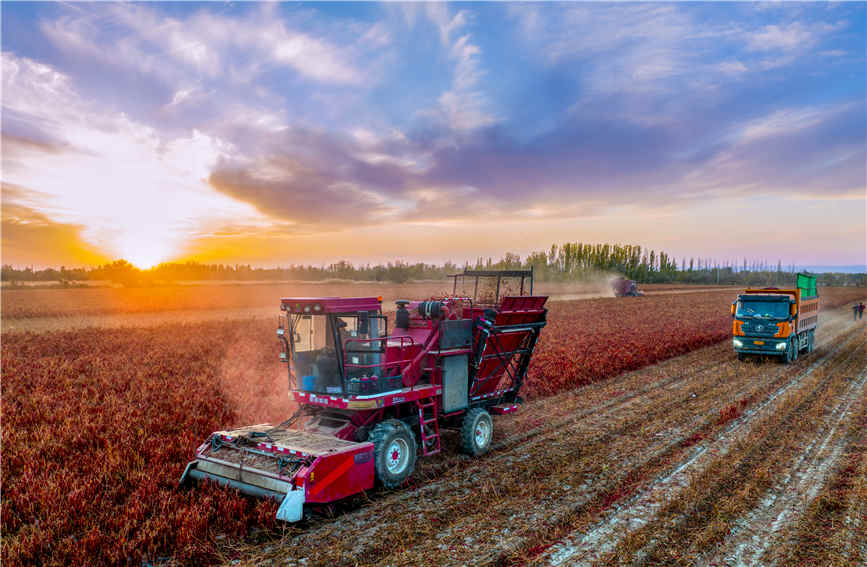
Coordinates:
582 167
732 67
464 106
268 123
811 152
205 43
782 37
133 192
31 238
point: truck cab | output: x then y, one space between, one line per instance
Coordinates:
776 322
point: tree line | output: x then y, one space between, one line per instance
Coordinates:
570 261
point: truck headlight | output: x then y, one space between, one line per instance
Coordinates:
737 343
781 346
283 357
280 332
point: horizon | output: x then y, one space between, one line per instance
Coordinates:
725 263
273 134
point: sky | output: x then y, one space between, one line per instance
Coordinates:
276 134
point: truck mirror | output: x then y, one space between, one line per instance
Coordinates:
793 309
733 309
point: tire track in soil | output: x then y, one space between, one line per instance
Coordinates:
459 482
810 541
666 450
698 519
759 531
634 512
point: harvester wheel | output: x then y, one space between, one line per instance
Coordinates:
477 430
394 452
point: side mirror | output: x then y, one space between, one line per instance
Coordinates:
793 309
733 309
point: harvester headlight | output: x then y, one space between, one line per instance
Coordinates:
781 346
737 343
317 308
307 309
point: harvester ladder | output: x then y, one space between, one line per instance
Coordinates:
429 425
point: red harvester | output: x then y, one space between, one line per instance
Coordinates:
371 399
625 288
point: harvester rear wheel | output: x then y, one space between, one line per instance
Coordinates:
477 430
394 452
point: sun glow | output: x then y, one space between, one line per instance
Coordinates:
145 251
133 194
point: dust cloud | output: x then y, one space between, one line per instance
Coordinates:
252 377
588 287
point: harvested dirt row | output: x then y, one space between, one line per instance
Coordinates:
841 504
594 541
548 482
703 514
760 534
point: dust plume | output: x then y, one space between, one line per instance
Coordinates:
252 377
590 286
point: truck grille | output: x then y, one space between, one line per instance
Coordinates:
760 328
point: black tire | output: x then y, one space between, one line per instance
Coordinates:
811 341
742 356
394 452
796 348
477 431
787 356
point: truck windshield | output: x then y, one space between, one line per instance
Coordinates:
764 309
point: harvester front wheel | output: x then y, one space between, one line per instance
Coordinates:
477 430
394 450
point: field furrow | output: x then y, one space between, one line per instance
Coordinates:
733 483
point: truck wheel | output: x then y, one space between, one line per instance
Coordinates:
477 430
394 452
742 356
796 347
810 341
787 357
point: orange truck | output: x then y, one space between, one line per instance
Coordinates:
776 322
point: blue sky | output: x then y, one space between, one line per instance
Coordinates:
277 133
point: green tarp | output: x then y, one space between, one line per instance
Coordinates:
807 283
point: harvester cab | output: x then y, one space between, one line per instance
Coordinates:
373 396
